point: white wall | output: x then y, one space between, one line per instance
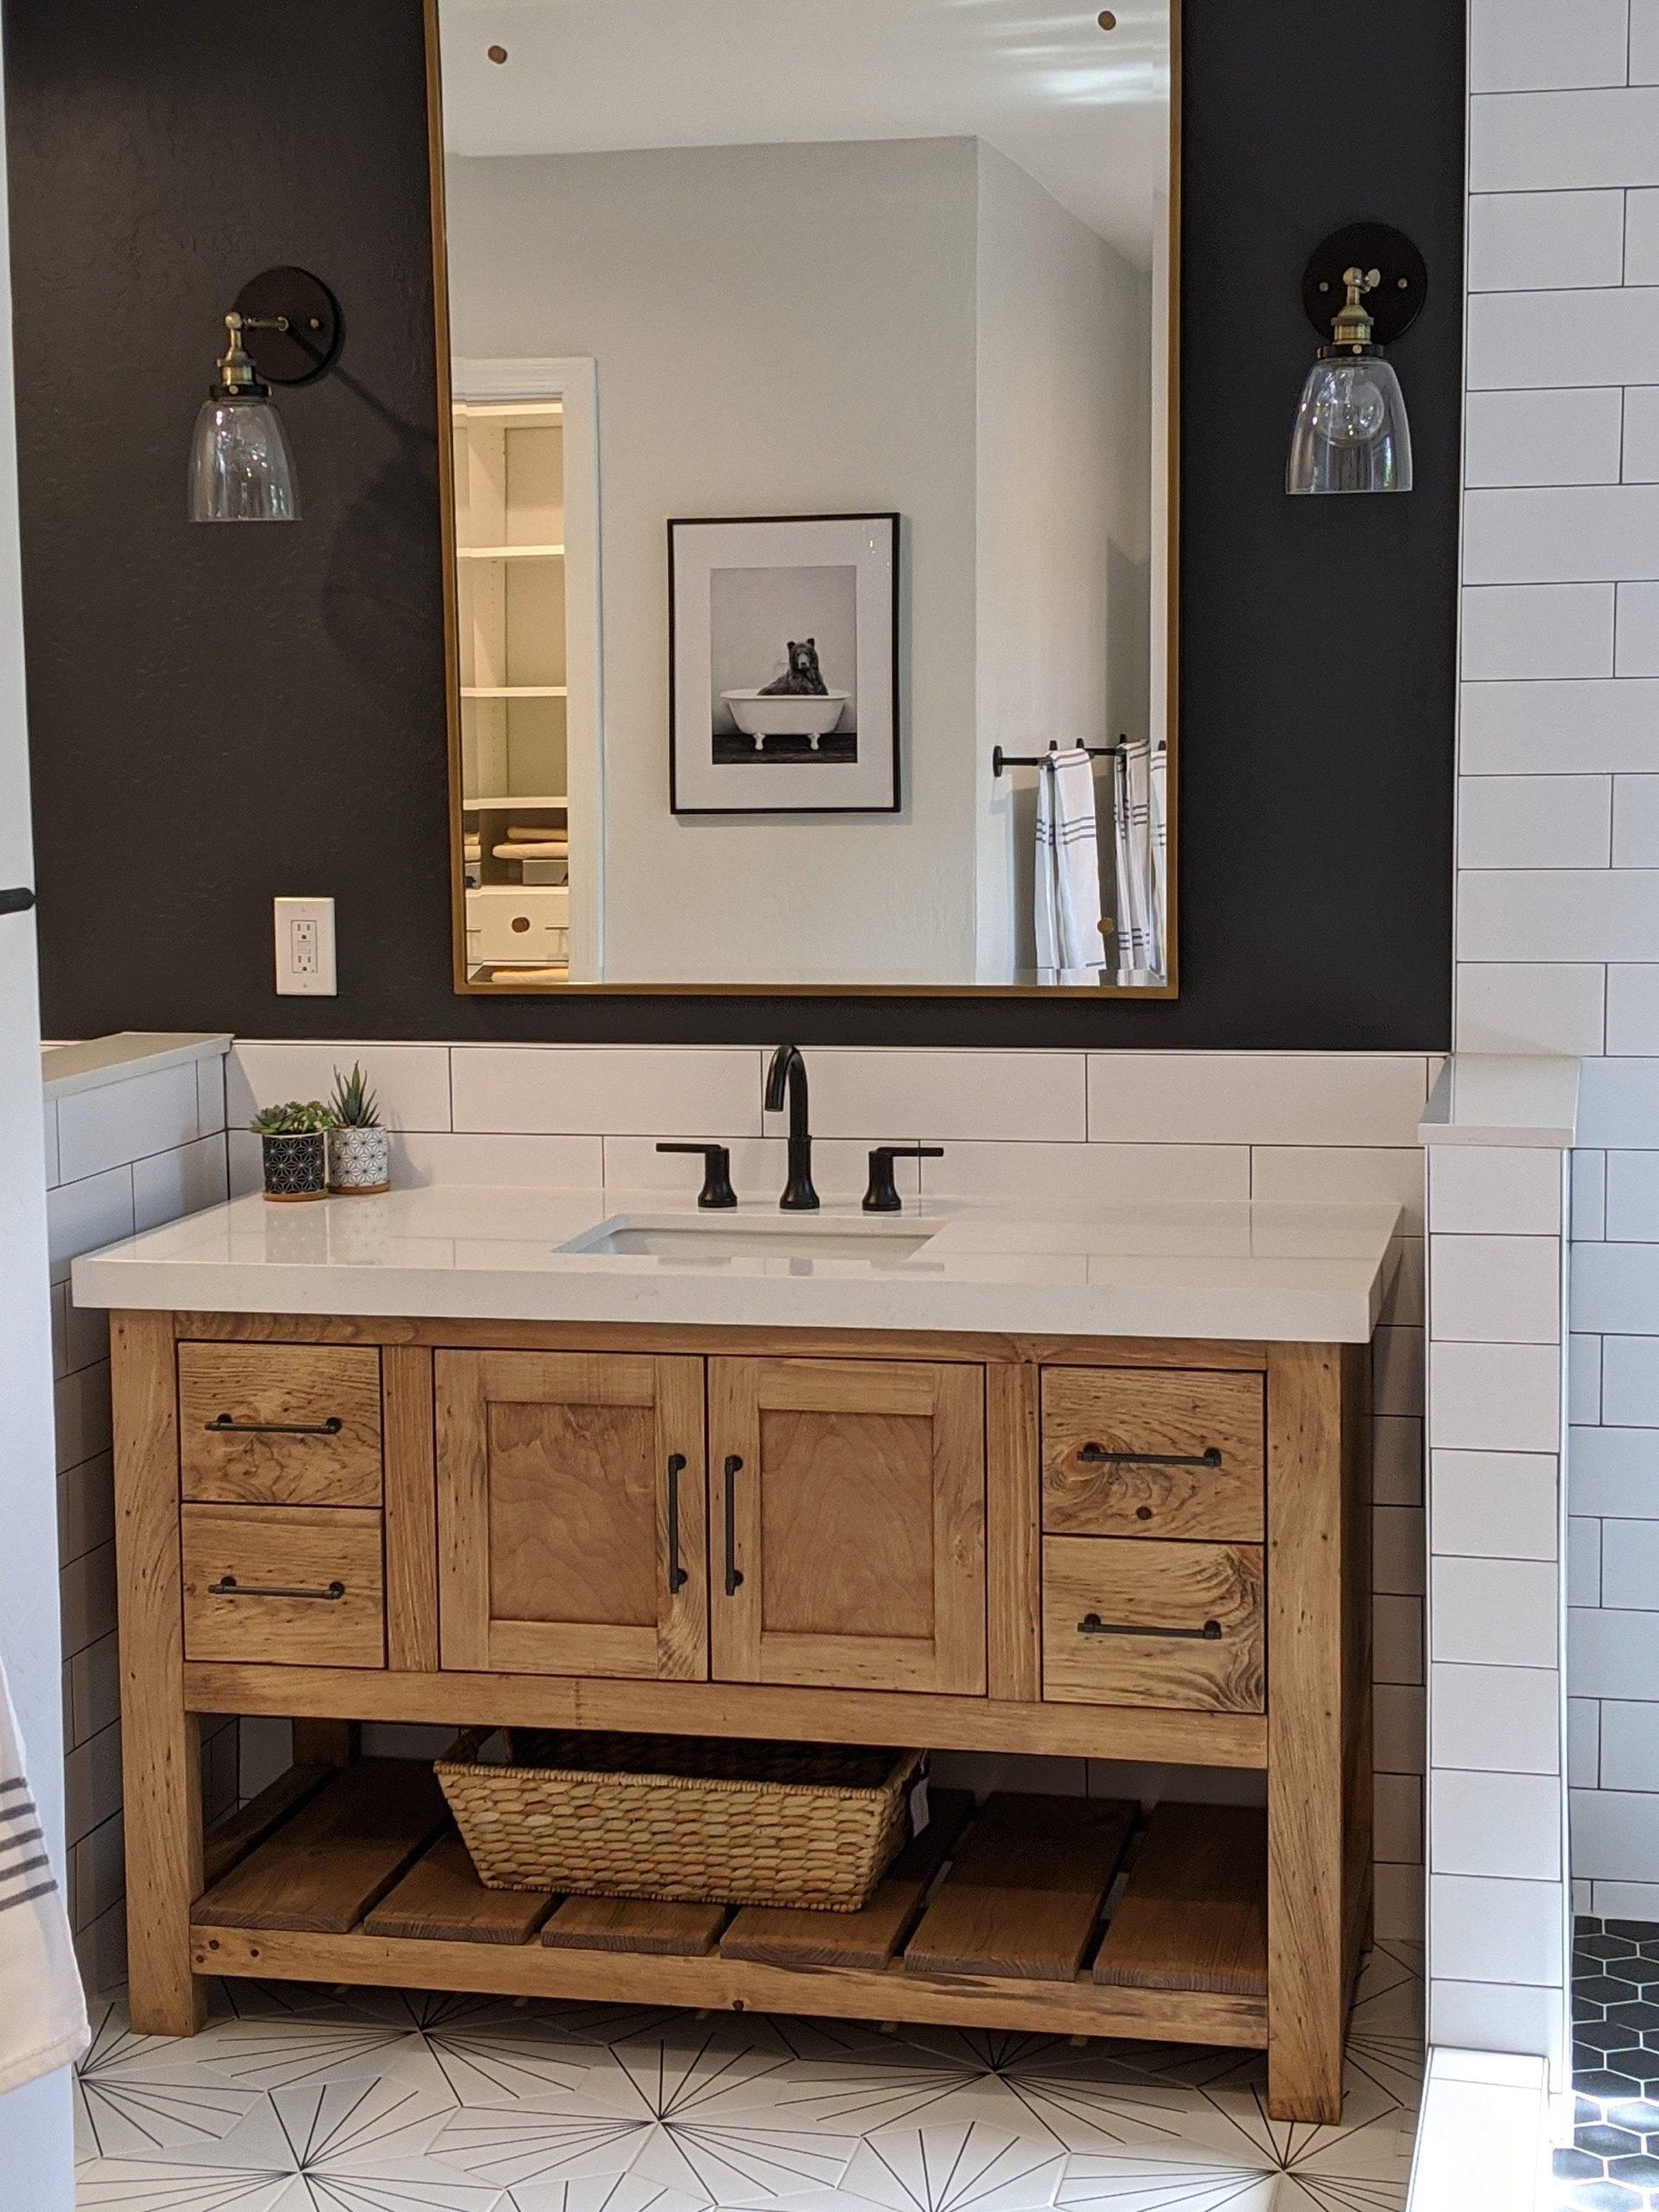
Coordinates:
777 331
1558 921
1064 346
123 1154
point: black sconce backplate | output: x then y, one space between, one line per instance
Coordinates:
307 348
1398 299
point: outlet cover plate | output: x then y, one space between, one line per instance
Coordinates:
305 948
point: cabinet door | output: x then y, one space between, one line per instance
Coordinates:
847 1525
571 1492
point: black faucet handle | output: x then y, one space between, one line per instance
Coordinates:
716 1194
882 1197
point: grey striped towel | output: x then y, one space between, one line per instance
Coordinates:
42 2010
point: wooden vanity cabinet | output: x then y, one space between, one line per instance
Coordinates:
1153 1552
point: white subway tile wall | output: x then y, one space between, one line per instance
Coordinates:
1052 1127
123 1155
1557 942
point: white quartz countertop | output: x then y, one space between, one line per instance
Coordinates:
1290 1273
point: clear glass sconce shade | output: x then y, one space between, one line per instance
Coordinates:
241 470
1353 433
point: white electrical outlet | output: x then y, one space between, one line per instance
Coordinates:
305 949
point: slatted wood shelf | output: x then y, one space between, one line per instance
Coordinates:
991 1918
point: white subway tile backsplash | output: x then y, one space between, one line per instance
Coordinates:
1535 821
1584 1743
1496 1397
1494 1504
1483 1929
1629 1567
1537 728
1630 1748
1583 1396
1609 1653
83 1217
1630 1384
1563 141
1538 342
178 1182
897 1096
410 1081
1398 1568
1636 798
1589 1198
1636 652
1398 1820
1645 56
1527 45
1624 1900
1612 1472
1503 1825
1640 441
1618 1101
1266 1099
603 1091
1575 914
1397 1461
118 1122
1575 534
1399 1718
1583 1562
1397 1370
423 1157
1342 1175
1613 1835
1641 239
1496 1289
1633 1009
760 1166
1496 1612
1397 1641
1514 1007
210 1095
1095 1174
1540 241
1496 1719
1489 2016
1523 631
1542 437
1616 1287
1493 1191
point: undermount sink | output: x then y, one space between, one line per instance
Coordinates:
644 1237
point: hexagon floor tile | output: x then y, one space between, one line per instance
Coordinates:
1613 2164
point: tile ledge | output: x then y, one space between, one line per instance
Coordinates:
1523 1102
66 1069
1484 2134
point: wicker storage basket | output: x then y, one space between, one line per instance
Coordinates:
681 1818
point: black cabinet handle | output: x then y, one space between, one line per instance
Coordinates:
734 1579
228 1586
677 1577
1092 1625
224 1425
17 901
1092 1455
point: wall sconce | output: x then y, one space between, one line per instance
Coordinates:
284 329
1366 286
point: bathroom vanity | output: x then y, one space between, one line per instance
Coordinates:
1095 1486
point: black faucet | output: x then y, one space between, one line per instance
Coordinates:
788 1067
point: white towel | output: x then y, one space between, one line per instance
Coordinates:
1070 947
42 2012
1140 812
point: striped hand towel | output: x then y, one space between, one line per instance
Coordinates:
1069 946
42 2012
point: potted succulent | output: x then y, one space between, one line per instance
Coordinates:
294 1140
358 1154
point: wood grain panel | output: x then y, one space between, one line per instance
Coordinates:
661 1929
554 1490
1180 1589
442 1899
1024 1896
1307 1982
1194 1913
858 1524
236 1835
411 1486
1167 1415
1159 1738
1013 1599
338 1856
608 1337
287 1549
161 1740
870 1937
298 1388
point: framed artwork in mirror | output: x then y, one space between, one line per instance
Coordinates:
784 664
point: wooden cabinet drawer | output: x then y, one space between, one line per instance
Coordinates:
1131 1453
279 1424
1176 1624
283 1586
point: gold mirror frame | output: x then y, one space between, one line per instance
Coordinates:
1056 993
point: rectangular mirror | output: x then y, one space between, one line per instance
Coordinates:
810 494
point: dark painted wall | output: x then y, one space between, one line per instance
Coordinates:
221 715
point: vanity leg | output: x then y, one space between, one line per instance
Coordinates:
326 1743
160 1743
1308 1691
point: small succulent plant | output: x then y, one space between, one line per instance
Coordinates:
293 1120
353 1105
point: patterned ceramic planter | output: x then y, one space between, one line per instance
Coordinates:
357 1161
295 1166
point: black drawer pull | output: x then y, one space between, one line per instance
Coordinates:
1093 1456
228 1586
222 1425
734 1579
1092 1625
678 1576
